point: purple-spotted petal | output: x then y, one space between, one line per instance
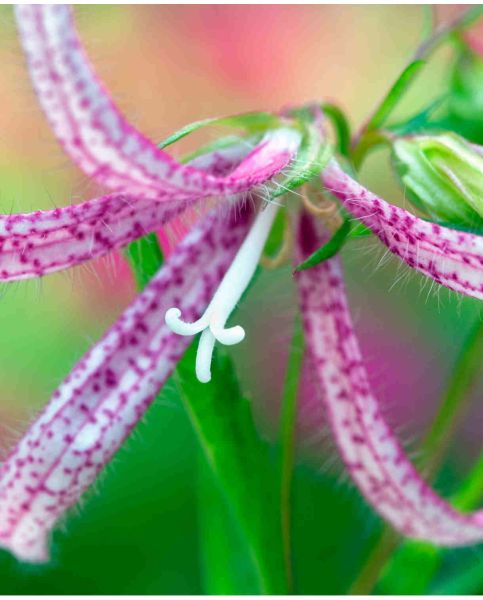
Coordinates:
97 136
452 258
109 390
374 457
34 244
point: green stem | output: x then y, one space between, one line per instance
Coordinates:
455 401
452 408
287 440
369 141
430 44
391 99
371 570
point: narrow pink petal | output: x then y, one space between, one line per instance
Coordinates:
97 136
374 457
34 244
109 390
452 258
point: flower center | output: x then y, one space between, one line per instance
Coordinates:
234 283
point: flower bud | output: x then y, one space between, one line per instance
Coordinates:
443 176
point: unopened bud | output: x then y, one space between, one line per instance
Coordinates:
443 176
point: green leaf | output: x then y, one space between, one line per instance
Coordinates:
468 580
226 566
410 569
145 257
359 230
329 249
245 478
394 95
240 462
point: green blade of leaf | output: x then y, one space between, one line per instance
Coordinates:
359 230
243 479
240 462
394 95
251 122
145 257
329 249
226 566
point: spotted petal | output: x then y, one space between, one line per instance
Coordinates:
452 258
373 456
97 136
109 390
34 244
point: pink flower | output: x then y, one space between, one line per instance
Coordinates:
107 392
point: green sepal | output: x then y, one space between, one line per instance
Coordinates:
421 121
256 122
314 153
341 126
329 249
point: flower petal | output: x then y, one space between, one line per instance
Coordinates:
109 390
34 244
97 136
374 457
452 258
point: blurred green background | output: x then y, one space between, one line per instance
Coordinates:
140 530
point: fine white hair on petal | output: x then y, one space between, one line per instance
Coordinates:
372 454
450 257
99 138
108 391
35 244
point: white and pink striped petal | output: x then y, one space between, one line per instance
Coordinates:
98 137
372 454
109 390
451 257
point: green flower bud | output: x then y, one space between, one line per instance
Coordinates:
443 176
